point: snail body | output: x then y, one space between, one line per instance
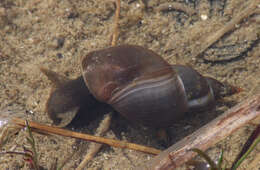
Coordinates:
67 97
140 85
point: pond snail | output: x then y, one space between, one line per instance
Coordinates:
138 84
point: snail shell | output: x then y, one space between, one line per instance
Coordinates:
143 87
137 83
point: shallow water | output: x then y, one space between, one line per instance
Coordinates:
56 34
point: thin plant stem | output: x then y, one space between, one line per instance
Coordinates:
31 140
220 161
213 166
252 147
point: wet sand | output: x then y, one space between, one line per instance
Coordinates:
56 34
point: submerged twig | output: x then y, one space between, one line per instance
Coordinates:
116 23
95 147
63 132
105 124
252 138
7 132
207 136
16 153
227 28
250 149
176 6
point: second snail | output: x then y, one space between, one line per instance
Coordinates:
138 84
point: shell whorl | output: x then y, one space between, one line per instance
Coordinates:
197 89
159 98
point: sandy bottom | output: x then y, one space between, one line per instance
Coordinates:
55 34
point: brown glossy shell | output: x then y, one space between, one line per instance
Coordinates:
137 82
200 94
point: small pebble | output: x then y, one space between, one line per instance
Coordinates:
203 17
59 55
60 42
57 43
